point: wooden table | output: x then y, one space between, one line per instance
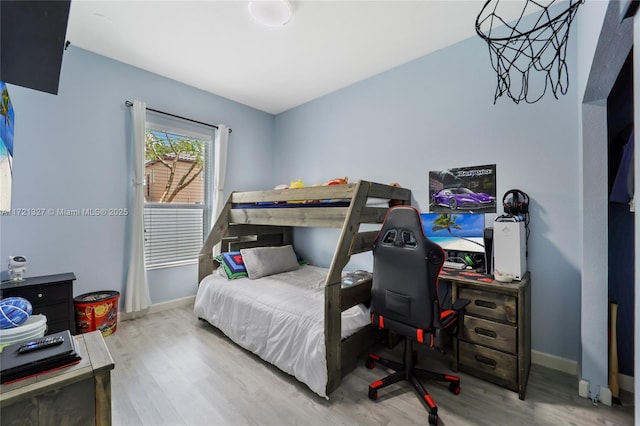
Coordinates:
75 395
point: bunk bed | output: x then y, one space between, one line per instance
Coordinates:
267 218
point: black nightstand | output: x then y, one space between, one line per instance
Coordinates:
51 295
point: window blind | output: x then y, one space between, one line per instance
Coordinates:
173 234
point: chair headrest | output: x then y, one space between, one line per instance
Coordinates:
402 218
402 227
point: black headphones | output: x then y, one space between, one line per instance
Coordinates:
515 202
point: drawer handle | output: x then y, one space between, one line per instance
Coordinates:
488 361
39 295
485 332
486 304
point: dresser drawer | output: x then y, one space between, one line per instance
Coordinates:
490 333
490 305
490 362
56 326
43 294
53 312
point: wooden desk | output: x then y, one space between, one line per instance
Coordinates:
76 395
496 345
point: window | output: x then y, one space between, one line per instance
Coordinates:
177 171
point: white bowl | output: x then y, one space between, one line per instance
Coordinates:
32 328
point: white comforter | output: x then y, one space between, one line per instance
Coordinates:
279 317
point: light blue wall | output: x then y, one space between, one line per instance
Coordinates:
437 112
588 25
72 152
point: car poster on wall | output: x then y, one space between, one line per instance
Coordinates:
463 190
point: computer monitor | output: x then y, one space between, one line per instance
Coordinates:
463 233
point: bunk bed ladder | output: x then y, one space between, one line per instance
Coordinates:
205 258
342 255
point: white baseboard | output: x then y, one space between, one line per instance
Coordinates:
159 307
626 383
568 366
605 396
554 362
583 388
177 303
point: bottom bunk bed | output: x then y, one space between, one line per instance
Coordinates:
302 319
278 317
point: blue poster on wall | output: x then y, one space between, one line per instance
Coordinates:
6 148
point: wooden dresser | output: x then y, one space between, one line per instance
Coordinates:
50 295
497 330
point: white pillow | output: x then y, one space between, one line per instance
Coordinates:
263 261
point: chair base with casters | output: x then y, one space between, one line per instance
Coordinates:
408 371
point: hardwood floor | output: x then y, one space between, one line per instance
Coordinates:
173 369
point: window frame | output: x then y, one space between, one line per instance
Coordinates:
177 126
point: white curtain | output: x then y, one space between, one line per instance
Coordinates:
136 297
221 144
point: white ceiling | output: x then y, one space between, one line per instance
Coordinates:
217 47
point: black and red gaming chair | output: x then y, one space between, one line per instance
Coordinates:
404 300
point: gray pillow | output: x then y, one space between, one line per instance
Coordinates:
263 261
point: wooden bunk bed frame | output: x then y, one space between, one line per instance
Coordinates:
238 228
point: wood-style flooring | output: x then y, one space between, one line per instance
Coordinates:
173 369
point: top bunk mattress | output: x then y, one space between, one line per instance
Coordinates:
280 205
319 196
279 317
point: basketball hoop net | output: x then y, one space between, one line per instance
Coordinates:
516 49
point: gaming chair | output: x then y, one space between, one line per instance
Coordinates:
404 300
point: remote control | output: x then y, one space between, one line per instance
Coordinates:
42 343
